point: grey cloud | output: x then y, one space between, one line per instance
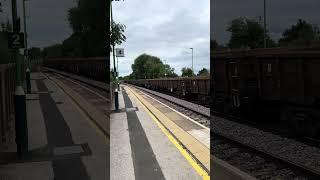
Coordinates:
47 20
280 14
165 29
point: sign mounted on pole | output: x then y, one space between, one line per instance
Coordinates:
15 40
119 52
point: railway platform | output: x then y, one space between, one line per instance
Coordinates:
150 140
66 138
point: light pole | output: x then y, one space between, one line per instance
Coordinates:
28 83
118 72
19 95
116 98
192 60
264 25
117 67
113 53
165 71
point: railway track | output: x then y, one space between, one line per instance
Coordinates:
93 101
275 128
87 86
199 117
259 164
255 161
282 168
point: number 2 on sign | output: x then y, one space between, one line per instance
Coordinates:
16 39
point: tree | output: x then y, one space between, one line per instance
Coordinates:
169 71
300 34
53 51
149 67
203 72
247 33
34 53
215 46
88 21
187 72
117 36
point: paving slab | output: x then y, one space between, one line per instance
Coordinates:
84 131
171 162
121 163
63 143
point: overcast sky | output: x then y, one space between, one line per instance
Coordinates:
280 14
47 21
166 29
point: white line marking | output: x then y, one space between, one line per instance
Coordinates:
177 111
85 88
88 119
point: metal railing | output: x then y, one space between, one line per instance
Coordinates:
7 86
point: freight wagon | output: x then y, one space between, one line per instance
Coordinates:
95 68
269 85
190 88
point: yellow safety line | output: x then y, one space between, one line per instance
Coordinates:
81 110
184 152
190 119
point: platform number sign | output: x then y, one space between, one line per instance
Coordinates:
15 40
120 52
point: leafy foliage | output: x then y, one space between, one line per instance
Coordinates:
187 72
215 46
116 36
34 53
203 72
149 67
247 33
88 21
300 34
52 51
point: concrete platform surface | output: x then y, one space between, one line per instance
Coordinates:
63 142
139 149
192 135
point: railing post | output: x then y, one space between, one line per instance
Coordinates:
28 82
3 108
19 96
116 99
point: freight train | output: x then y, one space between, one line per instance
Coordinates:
269 85
195 89
96 68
